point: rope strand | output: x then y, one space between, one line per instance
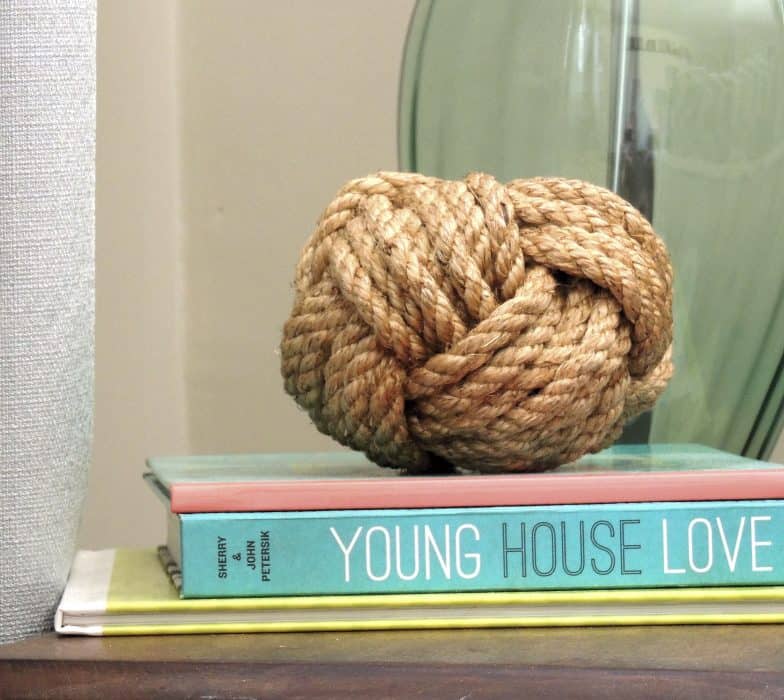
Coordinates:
472 324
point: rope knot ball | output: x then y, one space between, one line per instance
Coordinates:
471 324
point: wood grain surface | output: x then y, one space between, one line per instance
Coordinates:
636 662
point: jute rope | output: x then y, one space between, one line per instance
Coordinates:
467 323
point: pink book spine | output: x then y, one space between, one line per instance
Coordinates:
478 491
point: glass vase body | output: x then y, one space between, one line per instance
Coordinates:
678 107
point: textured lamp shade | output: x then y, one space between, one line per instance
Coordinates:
47 175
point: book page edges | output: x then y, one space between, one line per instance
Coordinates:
446 600
87 590
486 491
463 623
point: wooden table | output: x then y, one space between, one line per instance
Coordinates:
633 662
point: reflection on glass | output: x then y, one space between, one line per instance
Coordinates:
677 106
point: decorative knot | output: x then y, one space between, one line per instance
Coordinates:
470 324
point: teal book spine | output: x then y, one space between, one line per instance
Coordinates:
648 545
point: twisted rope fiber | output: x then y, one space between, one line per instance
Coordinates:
470 324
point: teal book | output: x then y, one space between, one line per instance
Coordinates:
527 548
347 481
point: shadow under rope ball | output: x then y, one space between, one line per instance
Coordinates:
440 324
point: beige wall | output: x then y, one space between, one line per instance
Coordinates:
282 103
223 129
139 383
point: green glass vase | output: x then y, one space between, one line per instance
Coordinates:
678 107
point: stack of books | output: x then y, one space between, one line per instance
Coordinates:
653 534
